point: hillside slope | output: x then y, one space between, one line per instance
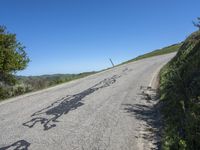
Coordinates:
180 92
162 51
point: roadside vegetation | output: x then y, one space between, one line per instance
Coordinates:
180 94
25 84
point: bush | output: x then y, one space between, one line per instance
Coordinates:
3 93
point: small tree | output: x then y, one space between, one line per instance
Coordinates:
197 24
12 57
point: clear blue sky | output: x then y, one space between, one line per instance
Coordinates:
71 36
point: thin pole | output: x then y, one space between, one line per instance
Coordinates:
112 63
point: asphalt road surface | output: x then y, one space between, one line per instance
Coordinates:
91 113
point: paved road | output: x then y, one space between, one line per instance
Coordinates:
86 114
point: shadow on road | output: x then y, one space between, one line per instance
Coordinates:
48 116
149 113
19 145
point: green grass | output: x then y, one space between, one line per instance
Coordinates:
165 50
180 94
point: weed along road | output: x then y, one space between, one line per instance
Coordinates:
99 112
